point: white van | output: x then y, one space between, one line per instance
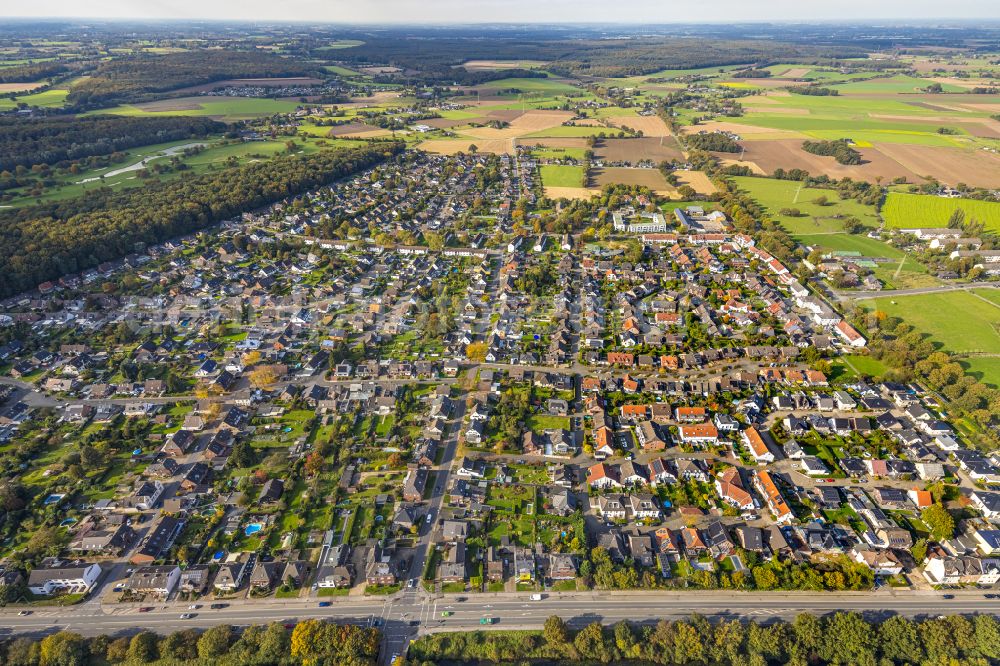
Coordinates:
536 597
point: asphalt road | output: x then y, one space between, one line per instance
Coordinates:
415 612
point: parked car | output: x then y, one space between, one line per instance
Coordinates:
325 604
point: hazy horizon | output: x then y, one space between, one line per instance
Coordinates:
508 11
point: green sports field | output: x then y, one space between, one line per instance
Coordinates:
910 211
958 321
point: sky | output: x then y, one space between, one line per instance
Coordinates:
507 11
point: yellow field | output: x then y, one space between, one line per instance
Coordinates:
648 125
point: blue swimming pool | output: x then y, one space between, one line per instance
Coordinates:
253 528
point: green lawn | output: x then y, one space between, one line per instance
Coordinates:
562 176
541 422
958 322
852 366
902 211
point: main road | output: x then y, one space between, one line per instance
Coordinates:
414 612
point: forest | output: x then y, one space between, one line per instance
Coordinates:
46 241
136 78
312 642
839 150
586 57
26 142
30 72
717 142
841 638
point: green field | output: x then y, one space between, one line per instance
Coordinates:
908 211
228 108
822 227
777 194
959 321
47 99
546 85
558 153
562 176
899 84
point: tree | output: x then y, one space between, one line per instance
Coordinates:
476 352
215 642
314 463
142 649
264 376
900 641
940 522
63 648
555 631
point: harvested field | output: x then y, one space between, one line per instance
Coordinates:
696 179
571 192
506 115
651 178
750 132
452 146
479 65
352 128
588 122
754 167
949 165
795 72
379 70
448 123
788 154
635 150
526 123
19 87
377 133
648 125
263 83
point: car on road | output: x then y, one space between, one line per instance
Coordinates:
446 613
325 604
989 596
194 606
487 620
218 606
145 609
430 517
412 583
24 612
537 597
948 596
187 616
414 623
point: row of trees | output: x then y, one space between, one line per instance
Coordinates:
310 642
47 241
842 638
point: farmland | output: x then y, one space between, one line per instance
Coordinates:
903 211
969 329
223 108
